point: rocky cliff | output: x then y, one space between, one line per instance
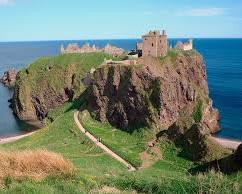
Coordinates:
50 82
9 78
156 93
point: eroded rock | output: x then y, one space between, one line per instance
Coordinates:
153 94
9 78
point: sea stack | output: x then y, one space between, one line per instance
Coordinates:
9 78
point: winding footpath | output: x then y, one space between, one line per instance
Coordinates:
101 145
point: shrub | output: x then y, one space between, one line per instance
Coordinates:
198 112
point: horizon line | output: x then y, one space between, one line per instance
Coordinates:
97 39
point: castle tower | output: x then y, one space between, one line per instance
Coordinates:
155 44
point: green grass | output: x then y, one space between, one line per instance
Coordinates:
169 175
173 54
198 112
62 136
127 145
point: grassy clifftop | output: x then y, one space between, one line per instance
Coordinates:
55 70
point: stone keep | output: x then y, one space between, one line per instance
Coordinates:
155 44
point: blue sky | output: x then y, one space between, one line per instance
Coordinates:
22 20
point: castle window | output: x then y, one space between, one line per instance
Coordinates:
152 44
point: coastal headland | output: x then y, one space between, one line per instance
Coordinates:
106 110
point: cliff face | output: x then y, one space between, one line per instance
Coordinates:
9 78
49 83
156 94
32 105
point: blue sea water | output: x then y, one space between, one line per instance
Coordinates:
223 59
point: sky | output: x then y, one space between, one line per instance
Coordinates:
27 20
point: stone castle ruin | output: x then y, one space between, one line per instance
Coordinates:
186 46
156 44
153 44
86 48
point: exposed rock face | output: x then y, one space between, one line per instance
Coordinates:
35 109
32 103
9 78
50 82
154 94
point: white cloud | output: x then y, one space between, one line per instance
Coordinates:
6 2
203 12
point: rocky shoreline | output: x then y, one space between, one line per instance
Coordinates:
9 78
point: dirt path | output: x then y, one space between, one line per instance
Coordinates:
99 144
15 138
231 144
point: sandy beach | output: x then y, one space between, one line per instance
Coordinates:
15 138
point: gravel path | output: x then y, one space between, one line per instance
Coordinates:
99 144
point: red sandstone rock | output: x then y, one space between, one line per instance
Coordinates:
9 78
154 94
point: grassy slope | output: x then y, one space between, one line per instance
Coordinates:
96 168
129 146
62 136
169 175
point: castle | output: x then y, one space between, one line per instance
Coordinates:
156 44
186 46
86 48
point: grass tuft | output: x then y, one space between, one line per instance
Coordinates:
33 164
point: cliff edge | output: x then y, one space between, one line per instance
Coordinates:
157 93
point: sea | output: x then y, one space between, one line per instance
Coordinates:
223 59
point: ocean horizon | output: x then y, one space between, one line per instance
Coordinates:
222 56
